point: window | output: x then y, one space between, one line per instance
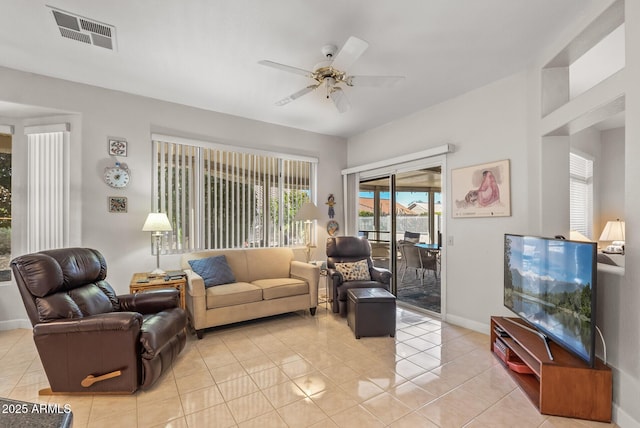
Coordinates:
223 197
44 209
5 207
581 194
48 187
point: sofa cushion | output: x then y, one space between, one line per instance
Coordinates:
232 294
269 263
356 271
213 270
281 287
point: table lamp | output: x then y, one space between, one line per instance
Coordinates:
614 231
308 213
157 223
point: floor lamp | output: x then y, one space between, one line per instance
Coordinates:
308 213
157 223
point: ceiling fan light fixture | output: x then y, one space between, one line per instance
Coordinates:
329 83
339 99
332 72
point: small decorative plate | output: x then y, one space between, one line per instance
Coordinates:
332 227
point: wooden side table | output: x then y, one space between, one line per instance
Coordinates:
141 282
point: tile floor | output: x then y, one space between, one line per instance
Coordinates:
297 371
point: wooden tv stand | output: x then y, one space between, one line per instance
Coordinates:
565 386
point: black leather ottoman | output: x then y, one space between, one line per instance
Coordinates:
372 312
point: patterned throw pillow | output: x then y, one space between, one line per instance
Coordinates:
213 270
356 271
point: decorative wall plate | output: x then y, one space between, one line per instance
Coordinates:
332 227
117 147
117 204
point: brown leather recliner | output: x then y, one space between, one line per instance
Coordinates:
348 249
90 340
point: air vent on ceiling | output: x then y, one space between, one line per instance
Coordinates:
84 30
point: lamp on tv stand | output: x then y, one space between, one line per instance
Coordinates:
158 224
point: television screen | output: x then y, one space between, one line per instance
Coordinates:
551 284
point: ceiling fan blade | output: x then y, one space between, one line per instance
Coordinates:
350 52
374 81
296 95
340 100
288 68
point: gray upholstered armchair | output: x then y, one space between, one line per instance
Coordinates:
349 265
88 338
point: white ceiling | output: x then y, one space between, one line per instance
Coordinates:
205 53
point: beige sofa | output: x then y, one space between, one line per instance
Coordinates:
268 282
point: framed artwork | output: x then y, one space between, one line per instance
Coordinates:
481 190
117 204
117 147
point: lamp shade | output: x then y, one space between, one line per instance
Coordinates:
157 222
613 231
308 211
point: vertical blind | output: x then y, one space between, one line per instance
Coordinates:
47 188
220 197
581 194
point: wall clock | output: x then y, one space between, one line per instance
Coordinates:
117 176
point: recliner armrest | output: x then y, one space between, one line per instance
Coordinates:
150 302
159 329
103 322
336 277
381 275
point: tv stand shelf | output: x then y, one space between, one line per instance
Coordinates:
562 386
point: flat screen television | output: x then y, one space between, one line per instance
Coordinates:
551 284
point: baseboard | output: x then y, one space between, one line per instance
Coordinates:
622 418
418 309
13 324
467 323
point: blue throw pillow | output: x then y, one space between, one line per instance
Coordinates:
213 270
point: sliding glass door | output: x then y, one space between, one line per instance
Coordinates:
401 215
374 218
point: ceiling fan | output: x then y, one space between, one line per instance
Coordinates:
332 74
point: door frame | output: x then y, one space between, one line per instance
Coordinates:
391 168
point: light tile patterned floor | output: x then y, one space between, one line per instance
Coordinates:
297 370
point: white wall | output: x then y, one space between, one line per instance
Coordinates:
621 328
612 178
102 113
485 125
